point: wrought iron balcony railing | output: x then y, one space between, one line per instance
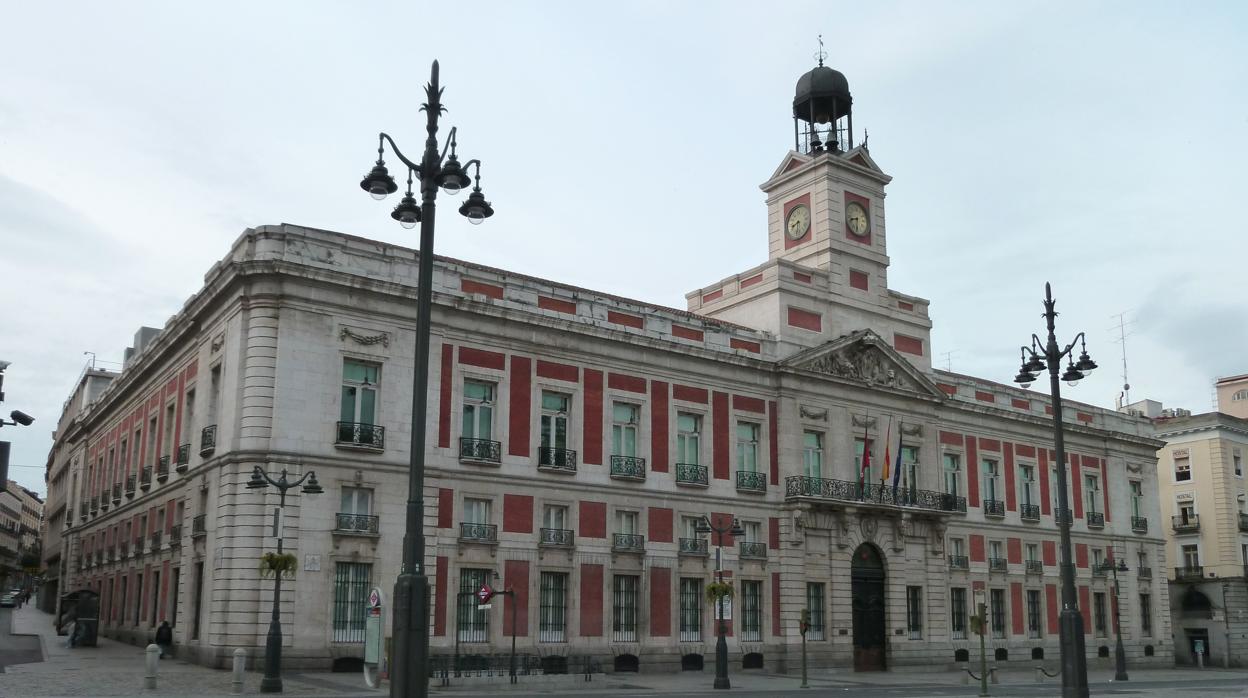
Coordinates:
1145 572
994 507
556 459
138 546
1139 524
208 440
110 553
1029 512
116 493
356 523
480 451
1096 519
145 478
751 481
628 543
371 436
1060 515
155 538
95 504
1189 573
628 468
162 469
175 536
123 550
199 525
557 537
1100 570
997 564
693 546
691 474
824 488
1035 567
1189 523
184 457
752 551
958 562
82 510
478 532
130 485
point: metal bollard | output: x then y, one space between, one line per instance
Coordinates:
240 665
152 659
992 676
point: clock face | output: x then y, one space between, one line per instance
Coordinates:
798 222
856 219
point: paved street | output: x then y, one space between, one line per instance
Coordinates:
16 649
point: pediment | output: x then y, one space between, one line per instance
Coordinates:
791 161
862 157
864 357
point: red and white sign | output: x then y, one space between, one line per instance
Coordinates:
484 594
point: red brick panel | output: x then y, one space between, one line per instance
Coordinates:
591 600
719 520
907 344
164 590
775 604
1050 600
1016 607
620 381
805 320
773 533
1076 484
1020 404
446 507
858 279
1083 417
721 436
746 283
660 528
745 345
490 290
439 597
517 513
1025 451
147 598
685 393
516 578
949 438
1011 496
977 548
556 304
1014 551
1085 610
743 403
804 278
1044 483
1048 549
905 305
972 473
660 602
1081 555
687 333
593 520
592 441
521 394
773 446
947 389
617 318
985 396
713 295
482 358
557 371
659 453
170 512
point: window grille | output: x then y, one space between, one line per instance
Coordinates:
957 613
624 608
998 612
472 625
751 611
914 612
814 602
554 605
691 610
1033 613
351 585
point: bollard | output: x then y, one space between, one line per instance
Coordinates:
152 659
1200 660
992 676
240 665
1039 675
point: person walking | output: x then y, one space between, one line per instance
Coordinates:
164 638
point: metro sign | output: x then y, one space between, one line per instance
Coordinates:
484 594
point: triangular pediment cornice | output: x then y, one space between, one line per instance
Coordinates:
863 357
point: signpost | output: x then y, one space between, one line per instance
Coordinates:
372 639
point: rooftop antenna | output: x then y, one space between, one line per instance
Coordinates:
92 358
1124 398
949 360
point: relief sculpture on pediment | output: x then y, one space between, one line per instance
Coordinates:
861 362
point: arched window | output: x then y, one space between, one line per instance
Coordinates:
1240 395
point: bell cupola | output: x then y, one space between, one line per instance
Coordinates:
823 117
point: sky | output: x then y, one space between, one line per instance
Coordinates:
1097 146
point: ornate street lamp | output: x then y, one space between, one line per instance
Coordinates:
409 669
721 644
272 681
1036 358
1120 655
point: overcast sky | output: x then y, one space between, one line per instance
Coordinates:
1100 146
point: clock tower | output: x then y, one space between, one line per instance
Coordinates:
827 245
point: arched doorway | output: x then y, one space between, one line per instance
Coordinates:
867 575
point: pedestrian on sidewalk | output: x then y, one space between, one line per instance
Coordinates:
164 638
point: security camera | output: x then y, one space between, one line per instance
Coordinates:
21 418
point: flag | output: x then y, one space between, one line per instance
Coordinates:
888 457
866 461
897 465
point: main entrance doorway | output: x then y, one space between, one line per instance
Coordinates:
867 575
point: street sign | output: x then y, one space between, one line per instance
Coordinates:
372 638
374 598
484 606
485 593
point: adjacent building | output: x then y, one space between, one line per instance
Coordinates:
21 515
577 438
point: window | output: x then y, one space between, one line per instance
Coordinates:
626 522
624 608
1239 395
1182 469
991 479
689 527
910 466
957 547
1146 615
478 410
751 611
752 530
555 420
151 441
996 603
170 445
814 603
1098 558
953 478
351 585
812 454
1238 462
747 447
1027 484
138 596
690 609
996 550
356 500
359 392
1033 613
473 624
957 613
1098 614
1187 513
1137 498
624 429
688 438
1243 549
1191 556
476 511
1091 492
1141 559
552 621
1033 552
555 516
914 612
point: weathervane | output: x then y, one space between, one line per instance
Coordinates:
821 54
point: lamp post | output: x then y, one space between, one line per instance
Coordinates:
409 675
1039 356
1120 655
272 681
721 644
981 627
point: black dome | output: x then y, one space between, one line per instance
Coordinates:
821 95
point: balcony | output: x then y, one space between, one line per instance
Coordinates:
1096 519
116 493
184 458
199 526
130 486
958 562
997 564
1243 522
628 543
478 533
123 550
1100 569
1145 572
1139 524
162 469
480 451
208 440
1029 512
138 547
175 536
82 510
1191 573
104 505
362 524
556 537
1186 523
1035 567
556 460
145 478
691 474
155 538
749 481
994 508
628 468
693 546
369 437
95 504
1060 515
752 551
841 490
111 553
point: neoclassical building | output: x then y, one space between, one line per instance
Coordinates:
576 438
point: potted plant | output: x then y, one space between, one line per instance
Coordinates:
718 590
284 564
